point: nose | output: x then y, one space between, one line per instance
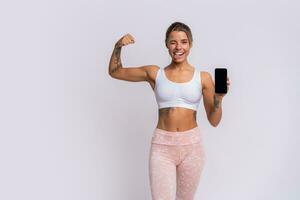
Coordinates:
178 46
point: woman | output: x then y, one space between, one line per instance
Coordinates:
177 154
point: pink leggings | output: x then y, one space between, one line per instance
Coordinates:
175 164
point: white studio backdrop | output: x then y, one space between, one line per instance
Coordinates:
71 132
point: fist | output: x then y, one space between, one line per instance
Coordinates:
125 40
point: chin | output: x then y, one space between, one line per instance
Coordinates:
179 61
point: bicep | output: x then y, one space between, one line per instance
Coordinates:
132 74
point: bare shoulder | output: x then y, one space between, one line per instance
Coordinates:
151 71
205 75
151 68
206 79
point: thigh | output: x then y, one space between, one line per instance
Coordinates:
189 171
162 171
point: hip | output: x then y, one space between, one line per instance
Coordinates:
187 137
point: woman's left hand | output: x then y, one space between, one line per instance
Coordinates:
221 95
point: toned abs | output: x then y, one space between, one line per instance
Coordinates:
176 119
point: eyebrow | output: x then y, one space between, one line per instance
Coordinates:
180 40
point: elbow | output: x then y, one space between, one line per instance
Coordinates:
109 71
214 123
214 120
111 74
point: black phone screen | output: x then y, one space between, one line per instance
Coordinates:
220 80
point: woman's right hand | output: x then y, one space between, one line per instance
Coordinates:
125 40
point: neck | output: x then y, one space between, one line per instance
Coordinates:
180 66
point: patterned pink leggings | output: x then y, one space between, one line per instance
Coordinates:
175 164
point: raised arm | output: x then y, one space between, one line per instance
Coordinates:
116 69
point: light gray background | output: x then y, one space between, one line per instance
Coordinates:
70 132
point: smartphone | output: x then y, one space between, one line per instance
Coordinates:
221 80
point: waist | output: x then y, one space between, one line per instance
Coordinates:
187 137
177 114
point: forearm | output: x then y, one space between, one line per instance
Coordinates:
216 112
115 61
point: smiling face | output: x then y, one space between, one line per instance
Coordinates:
179 46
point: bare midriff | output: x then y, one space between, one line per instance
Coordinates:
177 119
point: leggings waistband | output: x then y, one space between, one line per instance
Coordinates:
187 137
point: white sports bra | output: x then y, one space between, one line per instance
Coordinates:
172 94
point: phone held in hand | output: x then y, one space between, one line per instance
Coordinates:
221 80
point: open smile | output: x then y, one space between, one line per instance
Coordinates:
178 54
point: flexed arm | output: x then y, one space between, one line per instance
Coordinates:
133 74
115 61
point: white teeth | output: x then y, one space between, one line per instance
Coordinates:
179 53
